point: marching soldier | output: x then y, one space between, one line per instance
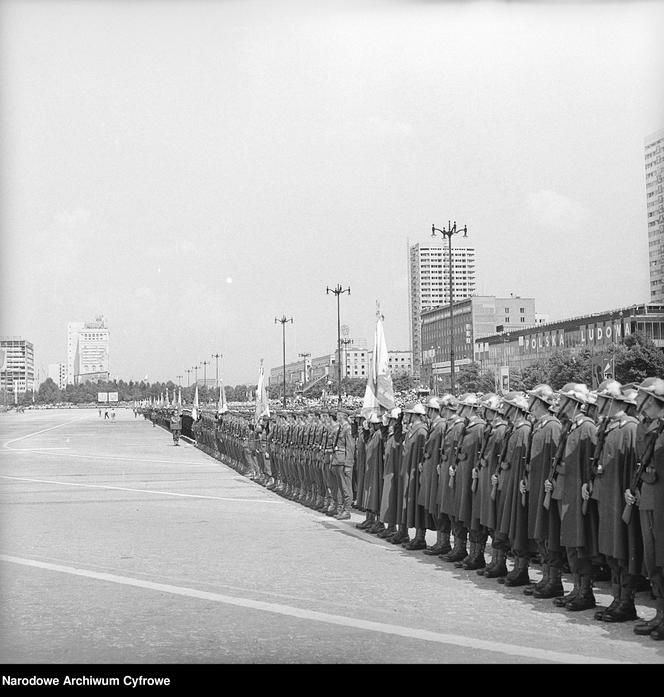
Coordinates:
576 531
647 491
454 429
413 456
363 438
613 464
484 509
512 526
389 500
344 455
429 488
467 459
546 436
374 472
176 426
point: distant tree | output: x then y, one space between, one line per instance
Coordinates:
403 382
638 358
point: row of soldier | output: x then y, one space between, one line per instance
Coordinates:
553 474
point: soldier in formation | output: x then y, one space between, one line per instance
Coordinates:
571 476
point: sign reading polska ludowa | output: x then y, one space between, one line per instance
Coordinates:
596 334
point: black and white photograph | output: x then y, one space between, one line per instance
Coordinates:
332 333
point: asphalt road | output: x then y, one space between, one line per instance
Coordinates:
116 547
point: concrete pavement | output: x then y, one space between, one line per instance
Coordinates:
117 547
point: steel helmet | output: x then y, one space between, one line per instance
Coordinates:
544 392
469 400
592 397
433 403
576 391
395 413
517 399
628 394
449 401
374 418
610 389
654 387
490 401
417 408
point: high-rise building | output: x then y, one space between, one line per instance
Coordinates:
58 373
655 208
87 351
17 364
429 284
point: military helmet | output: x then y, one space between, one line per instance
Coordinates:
628 394
449 401
395 413
653 387
433 403
518 400
544 392
417 408
574 390
469 399
609 389
374 418
490 401
591 398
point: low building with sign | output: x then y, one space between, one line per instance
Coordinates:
471 319
518 349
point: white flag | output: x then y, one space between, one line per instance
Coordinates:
194 409
379 392
222 405
262 404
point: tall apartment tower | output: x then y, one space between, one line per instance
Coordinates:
655 207
17 364
87 351
429 284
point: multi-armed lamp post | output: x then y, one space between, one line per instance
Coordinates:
338 291
283 320
451 230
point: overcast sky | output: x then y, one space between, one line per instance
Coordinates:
192 170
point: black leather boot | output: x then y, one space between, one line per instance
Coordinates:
477 560
585 600
499 569
553 587
624 611
562 601
615 592
645 628
458 553
521 577
471 551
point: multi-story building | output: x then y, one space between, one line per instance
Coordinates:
472 318
654 152
58 373
89 342
429 284
520 348
17 365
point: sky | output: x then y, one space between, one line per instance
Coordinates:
194 170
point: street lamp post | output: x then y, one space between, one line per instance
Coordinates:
205 364
179 377
305 356
195 369
448 232
345 342
338 291
188 371
217 356
283 322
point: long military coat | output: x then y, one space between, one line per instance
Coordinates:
577 530
390 505
657 494
612 478
469 450
413 455
429 480
451 439
513 521
374 471
360 465
545 439
489 464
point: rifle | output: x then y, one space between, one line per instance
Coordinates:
641 466
555 461
455 456
480 456
594 460
503 453
526 459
